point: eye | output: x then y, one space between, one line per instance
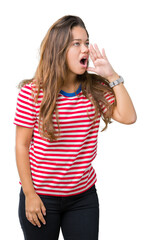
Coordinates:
76 44
87 43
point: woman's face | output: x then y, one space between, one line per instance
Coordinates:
78 52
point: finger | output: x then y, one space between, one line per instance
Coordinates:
92 58
98 51
40 216
93 53
36 220
104 54
90 69
43 209
30 219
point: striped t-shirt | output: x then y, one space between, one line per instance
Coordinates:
62 167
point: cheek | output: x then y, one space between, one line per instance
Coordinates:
72 59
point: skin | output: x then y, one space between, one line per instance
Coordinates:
124 112
78 48
35 209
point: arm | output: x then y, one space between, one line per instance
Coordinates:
23 139
35 208
124 111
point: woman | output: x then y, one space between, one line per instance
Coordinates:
57 122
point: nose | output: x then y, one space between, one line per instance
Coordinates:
84 48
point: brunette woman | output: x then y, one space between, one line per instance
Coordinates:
57 122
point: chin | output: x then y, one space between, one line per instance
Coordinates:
82 72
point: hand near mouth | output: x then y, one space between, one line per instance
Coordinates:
101 64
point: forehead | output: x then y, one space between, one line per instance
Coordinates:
79 33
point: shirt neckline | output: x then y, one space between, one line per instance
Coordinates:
71 94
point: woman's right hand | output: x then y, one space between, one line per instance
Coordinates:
35 209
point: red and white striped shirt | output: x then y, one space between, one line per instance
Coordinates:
62 167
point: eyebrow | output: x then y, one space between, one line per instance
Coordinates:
80 39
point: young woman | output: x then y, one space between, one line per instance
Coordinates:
57 122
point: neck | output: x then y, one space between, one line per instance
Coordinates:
71 83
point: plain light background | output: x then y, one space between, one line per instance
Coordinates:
123 160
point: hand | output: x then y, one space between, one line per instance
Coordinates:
35 209
101 64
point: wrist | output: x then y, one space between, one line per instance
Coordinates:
116 82
113 77
28 192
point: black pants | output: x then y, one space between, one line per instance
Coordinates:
77 216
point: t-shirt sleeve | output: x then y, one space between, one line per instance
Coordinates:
110 98
25 115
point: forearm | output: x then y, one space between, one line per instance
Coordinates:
33 203
124 111
23 165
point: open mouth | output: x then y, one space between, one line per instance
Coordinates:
83 62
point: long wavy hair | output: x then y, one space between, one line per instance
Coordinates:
52 71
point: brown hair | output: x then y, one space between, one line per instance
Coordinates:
52 71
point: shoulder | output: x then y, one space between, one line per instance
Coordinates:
29 89
27 93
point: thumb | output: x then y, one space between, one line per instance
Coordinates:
91 69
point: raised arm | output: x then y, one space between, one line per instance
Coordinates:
124 111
